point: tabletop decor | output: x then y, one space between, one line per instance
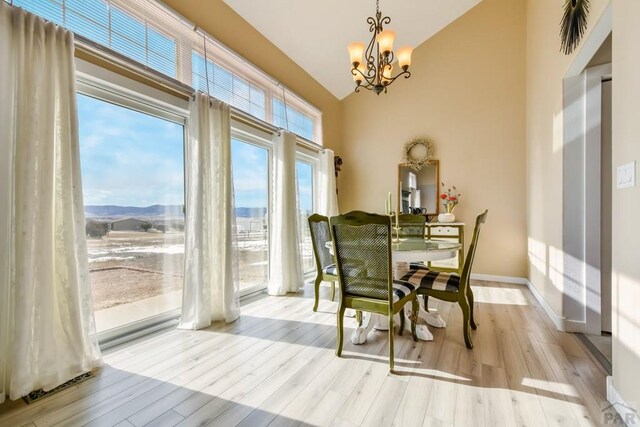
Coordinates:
573 24
411 154
450 198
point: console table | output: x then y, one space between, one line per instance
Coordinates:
452 231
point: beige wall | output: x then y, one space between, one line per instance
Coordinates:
467 95
546 68
220 21
626 202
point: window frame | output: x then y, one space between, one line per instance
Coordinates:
108 86
250 135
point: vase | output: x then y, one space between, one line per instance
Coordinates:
447 217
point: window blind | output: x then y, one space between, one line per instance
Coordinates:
153 35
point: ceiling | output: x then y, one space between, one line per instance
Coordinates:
315 34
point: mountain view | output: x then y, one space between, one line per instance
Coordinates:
156 211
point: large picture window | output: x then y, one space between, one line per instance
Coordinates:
133 184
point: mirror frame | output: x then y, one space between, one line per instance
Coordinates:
435 163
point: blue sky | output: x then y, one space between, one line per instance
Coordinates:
129 158
132 159
250 173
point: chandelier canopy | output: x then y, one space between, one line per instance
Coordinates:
376 72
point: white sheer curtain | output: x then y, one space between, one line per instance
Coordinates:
327 195
285 265
47 330
210 290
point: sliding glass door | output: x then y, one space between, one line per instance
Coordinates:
133 183
305 181
250 163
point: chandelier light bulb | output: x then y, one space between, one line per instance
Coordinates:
356 49
385 41
387 73
404 57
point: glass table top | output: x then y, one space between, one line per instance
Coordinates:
431 245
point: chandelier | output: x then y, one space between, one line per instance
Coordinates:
376 72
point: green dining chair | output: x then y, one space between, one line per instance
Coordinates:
362 246
325 267
451 286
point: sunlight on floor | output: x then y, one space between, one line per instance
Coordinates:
551 386
489 295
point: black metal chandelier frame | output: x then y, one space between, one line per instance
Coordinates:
376 61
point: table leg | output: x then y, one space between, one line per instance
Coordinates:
432 318
359 334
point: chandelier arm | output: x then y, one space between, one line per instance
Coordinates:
405 73
367 78
367 87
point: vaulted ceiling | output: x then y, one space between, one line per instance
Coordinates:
315 34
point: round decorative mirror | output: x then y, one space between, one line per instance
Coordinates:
418 153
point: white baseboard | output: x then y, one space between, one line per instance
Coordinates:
561 323
499 279
558 321
628 414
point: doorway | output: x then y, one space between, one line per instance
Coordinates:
600 345
587 192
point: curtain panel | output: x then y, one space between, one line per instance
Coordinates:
285 265
210 290
47 329
327 194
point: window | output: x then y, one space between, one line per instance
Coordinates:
292 119
152 34
104 23
250 164
305 181
228 87
133 184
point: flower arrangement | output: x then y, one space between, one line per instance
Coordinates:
449 198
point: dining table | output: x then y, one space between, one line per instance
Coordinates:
405 251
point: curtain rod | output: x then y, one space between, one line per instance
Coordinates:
101 52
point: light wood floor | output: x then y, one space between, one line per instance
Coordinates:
277 366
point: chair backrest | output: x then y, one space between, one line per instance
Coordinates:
362 247
411 226
468 262
320 235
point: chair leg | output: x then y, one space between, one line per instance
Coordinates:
390 342
333 290
341 310
401 321
466 314
415 307
470 300
317 292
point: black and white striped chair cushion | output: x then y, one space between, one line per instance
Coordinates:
417 265
401 289
350 271
439 281
331 269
